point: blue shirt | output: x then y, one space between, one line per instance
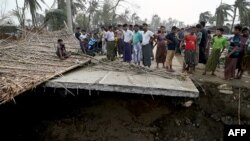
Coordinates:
172 45
235 43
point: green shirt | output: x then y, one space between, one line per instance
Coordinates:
137 37
219 42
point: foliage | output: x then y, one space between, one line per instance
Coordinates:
55 19
242 6
33 6
222 13
82 20
205 16
20 14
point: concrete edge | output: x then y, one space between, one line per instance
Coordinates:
124 89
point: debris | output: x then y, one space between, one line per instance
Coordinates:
188 103
225 87
27 63
229 92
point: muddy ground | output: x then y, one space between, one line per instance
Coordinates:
45 116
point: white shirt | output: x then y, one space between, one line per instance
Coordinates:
82 37
128 36
146 36
103 35
140 31
110 36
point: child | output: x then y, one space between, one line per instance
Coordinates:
190 49
172 43
233 54
61 51
218 44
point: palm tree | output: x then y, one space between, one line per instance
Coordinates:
205 16
20 14
33 6
222 13
124 17
93 5
242 6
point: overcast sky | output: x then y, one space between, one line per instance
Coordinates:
183 10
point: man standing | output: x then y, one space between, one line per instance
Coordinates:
128 35
190 49
243 40
203 44
172 43
78 33
199 37
146 46
233 54
104 43
119 33
110 39
219 43
137 39
180 39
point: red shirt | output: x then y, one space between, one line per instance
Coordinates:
191 42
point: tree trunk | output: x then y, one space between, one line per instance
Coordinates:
89 21
69 14
235 11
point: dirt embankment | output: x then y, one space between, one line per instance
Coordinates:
122 117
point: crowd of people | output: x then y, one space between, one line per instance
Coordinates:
135 44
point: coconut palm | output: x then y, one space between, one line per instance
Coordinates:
20 14
205 16
33 6
93 5
241 6
212 19
222 13
124 17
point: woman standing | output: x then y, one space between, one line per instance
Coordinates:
161 47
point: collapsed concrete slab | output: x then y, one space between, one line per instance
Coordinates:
125 82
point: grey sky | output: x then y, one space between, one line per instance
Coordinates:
183 10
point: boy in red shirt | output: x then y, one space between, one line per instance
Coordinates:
190 49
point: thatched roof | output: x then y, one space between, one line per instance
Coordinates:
28 63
